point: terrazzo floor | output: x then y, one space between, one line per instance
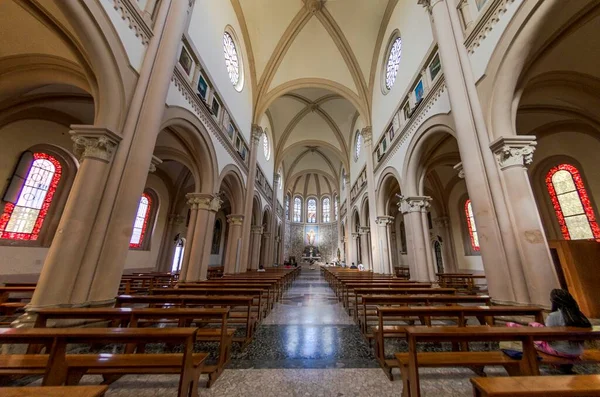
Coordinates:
307 346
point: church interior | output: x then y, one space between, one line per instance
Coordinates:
299 198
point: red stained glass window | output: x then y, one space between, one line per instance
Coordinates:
23 220
571 203
140 224
471 226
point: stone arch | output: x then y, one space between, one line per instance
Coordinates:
386 186
231 183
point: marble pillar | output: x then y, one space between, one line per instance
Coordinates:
373 249
514 154
355 252
499 251
255 136
267 247
63 266
256 241
365 245
383 223
233 260
414 208
271 247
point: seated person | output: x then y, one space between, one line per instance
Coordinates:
353 266
565 312
361 267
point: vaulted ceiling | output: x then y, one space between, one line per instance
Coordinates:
312 64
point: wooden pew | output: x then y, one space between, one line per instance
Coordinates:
54 391
485 315
547 386
248 320
347 289
13 298
136 317
269 295
461 281
59 368
528 365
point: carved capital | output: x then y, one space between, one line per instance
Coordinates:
428 4
355 235
414 204
203 201
384 220
94 142
256 229
459 169
154 163
367 134
257 133
364 230
235 220
514 151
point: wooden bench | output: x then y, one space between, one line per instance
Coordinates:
529 386
136 317
246 318
54 391
347 290
484 314
59 368
268 292
527 366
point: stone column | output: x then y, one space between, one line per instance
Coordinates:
266 240
497 239
246 244
95 147
367 134
106 255
514 154
365 248
192 202
234 242
442 225
350 248
271 243
413 209
256 240
207 207
383 223
166 251
354 256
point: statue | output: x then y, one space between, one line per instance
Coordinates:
311 237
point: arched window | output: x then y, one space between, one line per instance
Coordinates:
471 225
287 206
336 207
358 145
326 210
571 203
178 256
311 211
297 209
140 225
23 218
266 146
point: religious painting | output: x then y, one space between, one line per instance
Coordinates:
311 235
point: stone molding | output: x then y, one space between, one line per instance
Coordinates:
257 133
130 13
235 220
314 6
367 134
459 169
93 142
154 163
486 22
514 151
414 204
204 201
384 220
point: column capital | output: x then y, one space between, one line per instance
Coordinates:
514 151
414 204
355 234
266 234
204 201
235 219
154 163
256 134
276 180
459 169
364 230
428 4
384 220
256 229
90 141
367 134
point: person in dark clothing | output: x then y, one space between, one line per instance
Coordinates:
353 266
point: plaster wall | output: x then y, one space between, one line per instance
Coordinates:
268 166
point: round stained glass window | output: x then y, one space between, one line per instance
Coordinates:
232 61
393 63
266 146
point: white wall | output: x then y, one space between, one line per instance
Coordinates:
207 25
463 262
412 20
268 166
356 166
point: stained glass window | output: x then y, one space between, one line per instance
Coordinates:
297 209
336 205
231 59
287 207
326 210
140 224
23 220
471 226
266 146
311 211
393 63
358 145
571 203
